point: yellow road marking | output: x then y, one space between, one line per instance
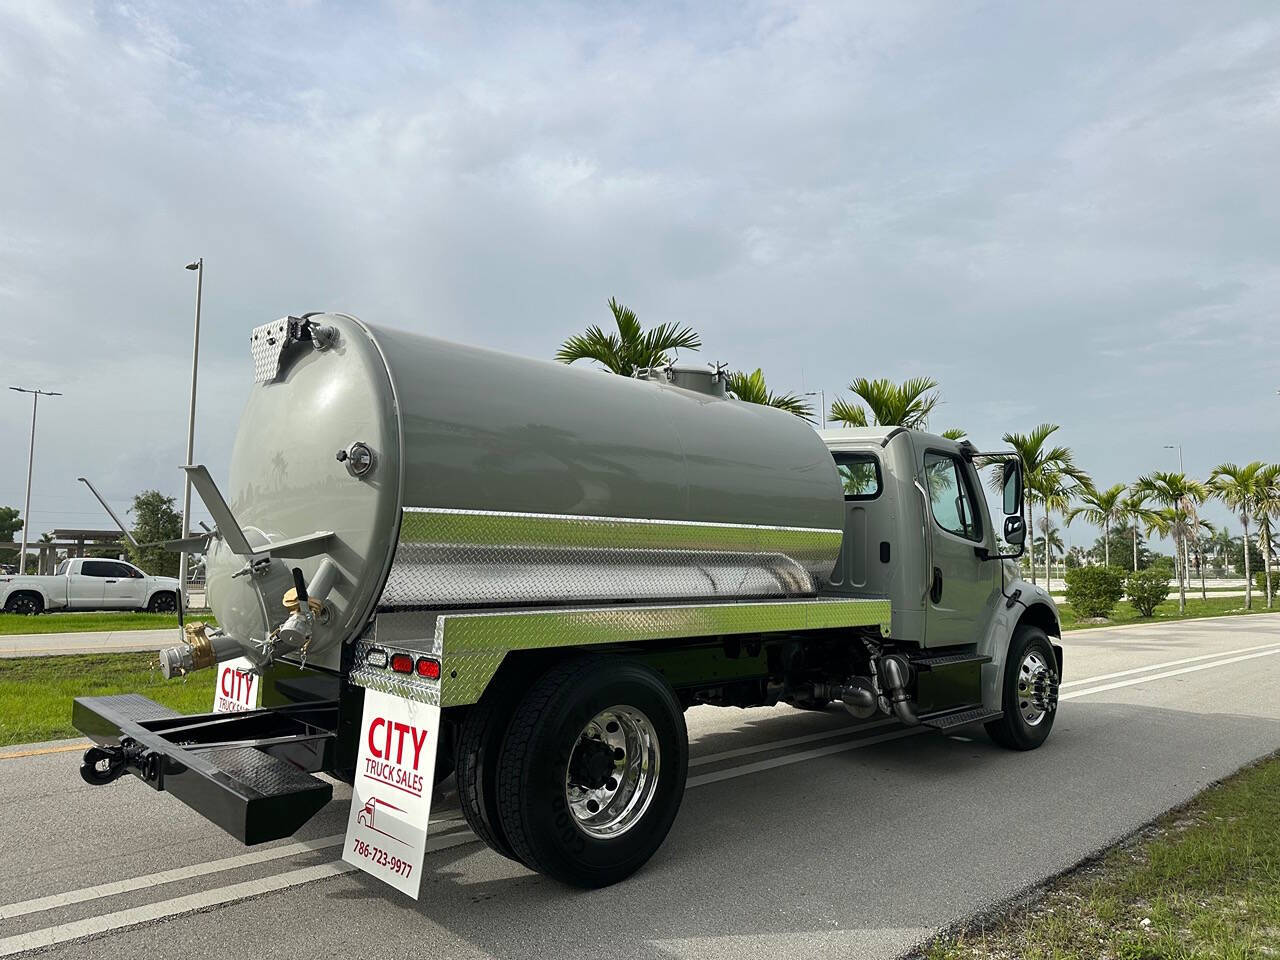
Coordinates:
65 748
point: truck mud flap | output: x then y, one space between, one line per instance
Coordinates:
250 773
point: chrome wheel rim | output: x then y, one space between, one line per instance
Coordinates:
1037 688
613 772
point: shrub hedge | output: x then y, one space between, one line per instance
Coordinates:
1094 591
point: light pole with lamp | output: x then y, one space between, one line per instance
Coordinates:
31 459
198 266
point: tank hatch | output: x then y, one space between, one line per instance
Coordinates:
709 379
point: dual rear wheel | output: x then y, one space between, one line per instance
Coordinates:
581 776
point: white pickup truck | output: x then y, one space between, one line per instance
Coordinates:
89 584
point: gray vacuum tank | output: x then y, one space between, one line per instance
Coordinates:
500 480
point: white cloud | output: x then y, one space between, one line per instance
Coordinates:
1064 214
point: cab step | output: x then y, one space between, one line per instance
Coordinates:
959 717
949 660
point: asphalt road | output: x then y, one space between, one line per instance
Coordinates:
801 834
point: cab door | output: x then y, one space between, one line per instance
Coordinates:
962 585
86 587
127 589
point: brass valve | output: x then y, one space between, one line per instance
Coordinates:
201 649
290 601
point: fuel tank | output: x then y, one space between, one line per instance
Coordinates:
453 476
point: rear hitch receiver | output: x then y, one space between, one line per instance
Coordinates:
102 765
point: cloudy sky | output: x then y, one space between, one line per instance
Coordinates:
1065 213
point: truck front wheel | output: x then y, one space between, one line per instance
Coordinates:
1030 691
592 770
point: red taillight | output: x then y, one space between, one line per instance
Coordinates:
429 668
402 663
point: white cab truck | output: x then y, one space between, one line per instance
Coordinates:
85 583
446 561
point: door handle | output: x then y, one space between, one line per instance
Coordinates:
110 581
935 590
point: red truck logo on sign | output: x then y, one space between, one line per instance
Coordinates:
237 688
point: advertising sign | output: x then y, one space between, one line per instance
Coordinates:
391 796
237 687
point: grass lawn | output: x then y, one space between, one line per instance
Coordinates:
11 623
1204 881
36 692
1196 609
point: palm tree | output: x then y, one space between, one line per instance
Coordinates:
752 388
1037 459
1222 544
1236 487
1101 508
1179 494
1266 508
1053 544
1134 509
1053 490
631 348
906 404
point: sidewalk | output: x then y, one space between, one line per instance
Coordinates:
107 641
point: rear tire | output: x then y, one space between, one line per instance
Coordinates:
163 603
1019 728
592 770
26 604
479 742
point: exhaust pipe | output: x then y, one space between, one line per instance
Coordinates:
897 674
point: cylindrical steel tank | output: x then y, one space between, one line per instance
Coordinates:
497 480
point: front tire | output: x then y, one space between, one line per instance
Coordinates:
1030 698
592 770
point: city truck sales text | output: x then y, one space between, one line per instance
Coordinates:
384 735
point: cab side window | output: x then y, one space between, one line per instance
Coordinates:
98 568
950 496
859 475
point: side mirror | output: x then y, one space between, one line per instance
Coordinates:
1015 530
1011 485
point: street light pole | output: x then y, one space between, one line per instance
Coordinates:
31 460
822 394
198 266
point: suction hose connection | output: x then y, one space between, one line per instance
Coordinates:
198 652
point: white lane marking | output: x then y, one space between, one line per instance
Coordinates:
162 909
1169 663
101 890
790 742
1169 673
240 891
790 758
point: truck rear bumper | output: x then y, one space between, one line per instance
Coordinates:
250 773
